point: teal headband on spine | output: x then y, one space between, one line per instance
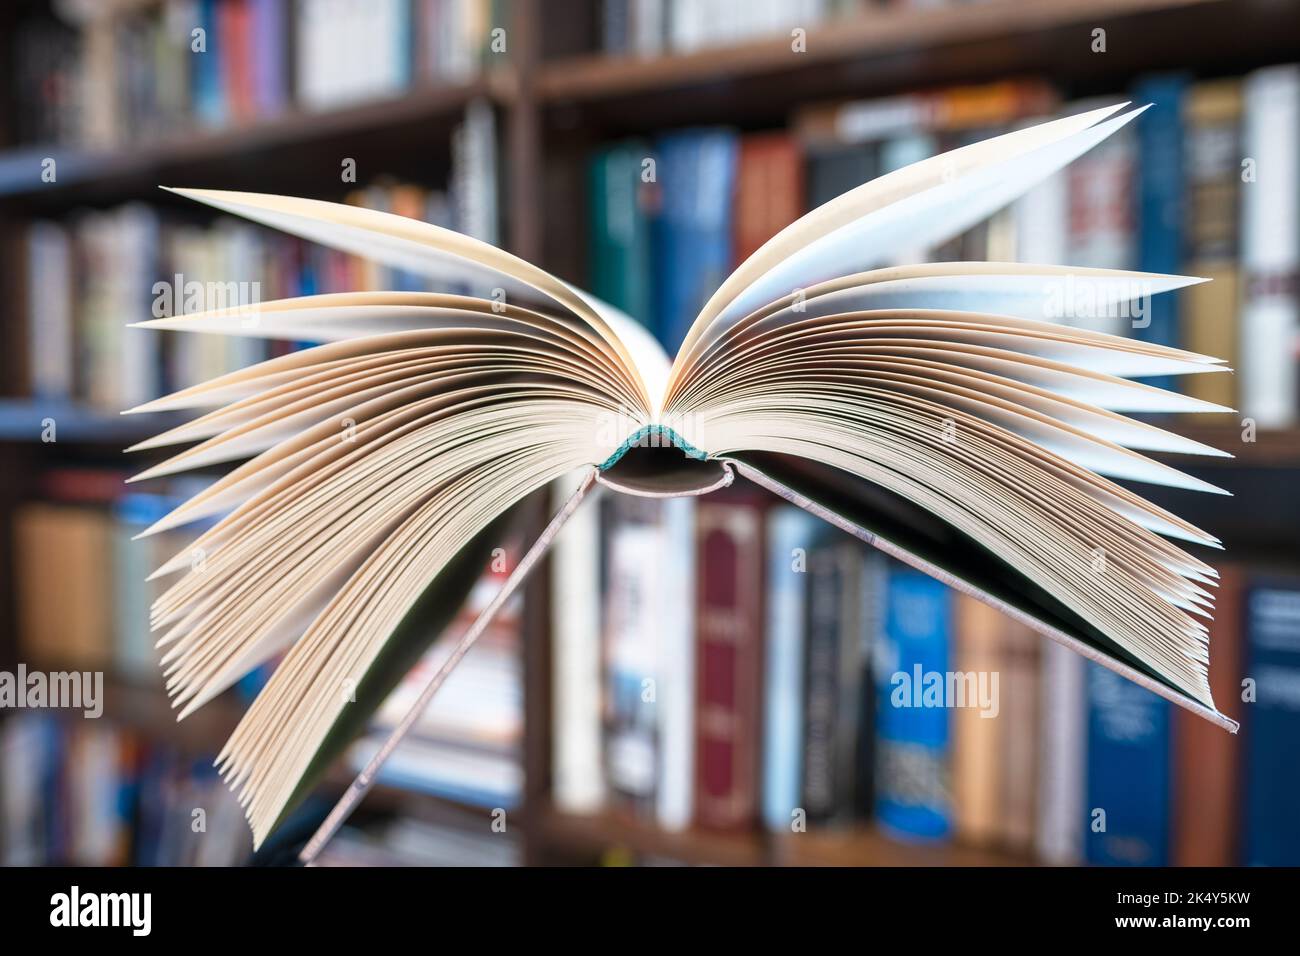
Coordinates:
660 436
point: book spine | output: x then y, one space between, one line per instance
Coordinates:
692 245
1160 197
1272 836
205 81
1018 710
1206 760
620 230
1128 794
769 191
636 558
790 533
913 785
49 311
1101 219
825 795
1042 222
579 784
870 601
1211 320
728 662
270 40
977 741
676 705
1270 254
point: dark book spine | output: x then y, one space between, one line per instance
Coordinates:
1160 199
728 662
1128 773
1273 723
821 789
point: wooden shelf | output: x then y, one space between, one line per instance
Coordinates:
889 31
21 421
299 145
868 846
552 110
572 834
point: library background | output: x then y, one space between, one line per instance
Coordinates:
612 715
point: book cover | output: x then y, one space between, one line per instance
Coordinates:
791 532
1208 766
1272 752
729 660
913 763
1270 249
620 249
1159 202
832 669
696 174
1128 787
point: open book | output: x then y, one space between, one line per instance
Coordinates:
941 412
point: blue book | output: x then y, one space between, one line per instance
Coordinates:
696 173
1160 202
205 80
790 533
1128 788
913 766
619 231
1272 826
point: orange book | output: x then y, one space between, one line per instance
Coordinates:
769 190
1206 760
62 574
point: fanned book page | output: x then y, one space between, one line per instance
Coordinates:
938 411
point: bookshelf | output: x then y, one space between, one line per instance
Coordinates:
554 99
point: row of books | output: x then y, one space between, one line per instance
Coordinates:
1204 183
92 793
114 77
654 27
80 590
82 599
92 274
466 746
745 666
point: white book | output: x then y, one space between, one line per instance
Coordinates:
790 532
1042 221
1270 246
1063 757
49 310
676 703
578 780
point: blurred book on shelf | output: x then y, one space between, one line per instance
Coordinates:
884 699
90 275
465 746
90 793
452 840
82 587
745 688
654 27
114 78
1271 691
1184 191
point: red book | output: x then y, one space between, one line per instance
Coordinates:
1206 760
769 190
236 68
728 659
